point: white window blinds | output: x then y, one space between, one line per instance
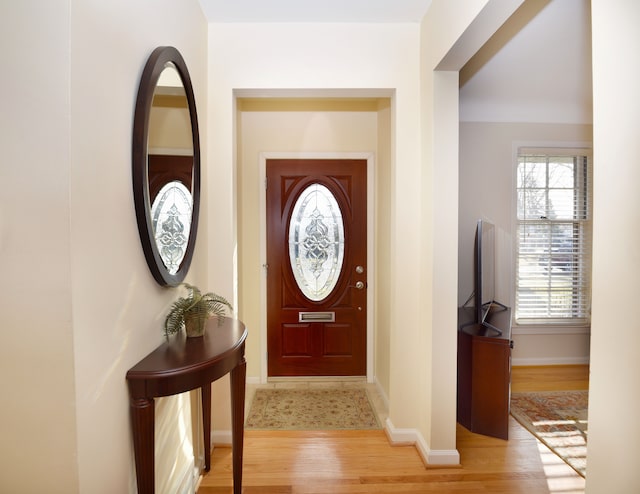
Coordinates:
553 272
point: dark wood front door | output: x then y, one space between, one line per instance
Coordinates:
317 267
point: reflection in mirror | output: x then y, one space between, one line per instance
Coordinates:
170 162
166 166
171 222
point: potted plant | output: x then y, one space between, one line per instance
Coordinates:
192 311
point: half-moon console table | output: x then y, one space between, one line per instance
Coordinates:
182 364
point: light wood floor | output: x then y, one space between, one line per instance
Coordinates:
349 462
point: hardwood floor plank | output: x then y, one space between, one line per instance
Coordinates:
358 462
550 378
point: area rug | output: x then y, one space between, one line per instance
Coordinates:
559 420
311 409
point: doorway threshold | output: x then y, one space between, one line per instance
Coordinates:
316 379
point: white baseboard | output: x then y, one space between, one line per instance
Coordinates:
550 361
221 438
413 436
382 394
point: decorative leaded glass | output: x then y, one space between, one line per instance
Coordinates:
316 242
171 222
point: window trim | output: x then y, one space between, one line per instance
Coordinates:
542 326
549 328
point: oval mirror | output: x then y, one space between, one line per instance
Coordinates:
166 165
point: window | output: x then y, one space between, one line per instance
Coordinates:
553 261
316 242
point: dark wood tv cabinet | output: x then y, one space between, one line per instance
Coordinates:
484 373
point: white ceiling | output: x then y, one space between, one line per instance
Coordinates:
536 68
315 10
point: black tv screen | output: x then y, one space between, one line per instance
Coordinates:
484 269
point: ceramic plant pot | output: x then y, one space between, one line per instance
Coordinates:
195 323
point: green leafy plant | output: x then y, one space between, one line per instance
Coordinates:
192 311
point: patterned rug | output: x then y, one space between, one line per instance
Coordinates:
559 420
311 409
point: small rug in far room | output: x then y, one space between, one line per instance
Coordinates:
311 409
559 420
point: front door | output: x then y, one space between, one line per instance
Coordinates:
317 267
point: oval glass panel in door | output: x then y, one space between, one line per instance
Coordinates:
171 220
316 242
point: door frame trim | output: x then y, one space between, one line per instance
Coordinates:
263 157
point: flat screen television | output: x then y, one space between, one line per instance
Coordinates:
484 275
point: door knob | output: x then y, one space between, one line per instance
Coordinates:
359 285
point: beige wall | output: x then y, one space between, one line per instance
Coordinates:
613 451
486 185
382 261
37 354
80 306
171 131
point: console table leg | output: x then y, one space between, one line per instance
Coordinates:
206 424
238 380
142 421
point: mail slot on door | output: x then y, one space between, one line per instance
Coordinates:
316 316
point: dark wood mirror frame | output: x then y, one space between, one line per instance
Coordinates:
157 62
